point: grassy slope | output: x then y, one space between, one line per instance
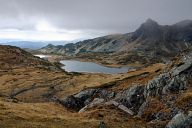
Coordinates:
37 111
33 87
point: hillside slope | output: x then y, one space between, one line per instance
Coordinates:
30 88
11 57
46 97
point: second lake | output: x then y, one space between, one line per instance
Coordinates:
90 67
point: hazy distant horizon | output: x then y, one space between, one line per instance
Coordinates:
33 44
73 40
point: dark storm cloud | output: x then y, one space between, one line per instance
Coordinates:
100 15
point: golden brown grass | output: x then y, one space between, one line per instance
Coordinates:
30 81
184 102
37 111
51 115
45 81
33 86
47 115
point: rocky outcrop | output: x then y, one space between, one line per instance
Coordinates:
132 97
143 108
128 100
155 102
174 81
85 97
181 121
78 100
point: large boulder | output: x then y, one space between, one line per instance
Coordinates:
79 100
72 102
155 87
132 98
85 94
84 98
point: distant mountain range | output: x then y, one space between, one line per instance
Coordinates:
32 44
151 42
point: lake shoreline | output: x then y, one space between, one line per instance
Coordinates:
58 58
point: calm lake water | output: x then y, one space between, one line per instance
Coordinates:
78 66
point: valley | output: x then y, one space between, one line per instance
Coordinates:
95 64
28 90
36 91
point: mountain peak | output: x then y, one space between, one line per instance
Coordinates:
149 25
150 22
149 29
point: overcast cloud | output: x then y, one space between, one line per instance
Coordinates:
87 18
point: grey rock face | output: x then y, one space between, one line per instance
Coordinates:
176 84
172 82
143 108
181 121
85 97
165 83
85 94
102 93
132 97
187 62
166 116
72 103
155 87
79 100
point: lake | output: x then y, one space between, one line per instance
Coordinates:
89 67
42 56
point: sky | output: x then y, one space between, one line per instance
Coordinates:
82 19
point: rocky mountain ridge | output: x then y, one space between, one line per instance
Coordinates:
151 42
